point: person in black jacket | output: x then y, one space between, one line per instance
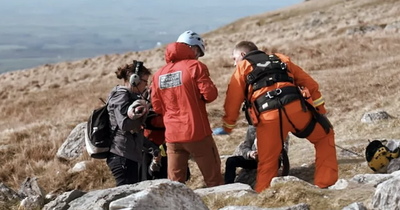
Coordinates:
127 110
247 156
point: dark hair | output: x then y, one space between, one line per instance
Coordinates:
246 46
126 71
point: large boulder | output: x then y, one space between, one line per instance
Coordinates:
387 195
153 194
74 145
164 196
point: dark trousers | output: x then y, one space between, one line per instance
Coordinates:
144 169
125 171
237 161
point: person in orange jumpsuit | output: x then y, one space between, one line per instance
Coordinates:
271 86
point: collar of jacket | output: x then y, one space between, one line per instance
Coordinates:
254 52
178 51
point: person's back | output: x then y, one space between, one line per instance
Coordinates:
180 91
276 102
184 87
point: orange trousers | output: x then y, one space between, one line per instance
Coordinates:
269 146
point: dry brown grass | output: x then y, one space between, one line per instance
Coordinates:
357 73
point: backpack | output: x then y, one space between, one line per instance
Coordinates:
98 135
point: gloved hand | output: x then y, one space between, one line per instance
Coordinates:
137 109
155 166
219 131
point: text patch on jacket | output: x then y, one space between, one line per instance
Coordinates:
170 80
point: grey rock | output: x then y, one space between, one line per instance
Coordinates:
160 197
387 195
232 190
62 201
32 194
373 179
78 167
392 144
30 187
355 206
301 206
394 165
339 185
74 145
284 179
31 203
363 29
371 117
101 199
395 26
7 194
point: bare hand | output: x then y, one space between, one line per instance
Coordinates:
253 155
157 158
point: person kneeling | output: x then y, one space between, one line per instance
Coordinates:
248 156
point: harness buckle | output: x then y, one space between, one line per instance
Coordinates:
283 66
271 94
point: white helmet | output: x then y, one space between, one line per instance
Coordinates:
193 39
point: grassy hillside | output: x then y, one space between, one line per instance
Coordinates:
348 46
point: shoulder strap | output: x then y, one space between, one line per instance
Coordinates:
252 58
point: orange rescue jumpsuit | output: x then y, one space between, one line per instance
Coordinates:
268 129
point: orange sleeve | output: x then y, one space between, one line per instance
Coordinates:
235 95
301 78
208 90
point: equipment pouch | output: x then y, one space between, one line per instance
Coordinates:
251 116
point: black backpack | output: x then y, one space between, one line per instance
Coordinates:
98 134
